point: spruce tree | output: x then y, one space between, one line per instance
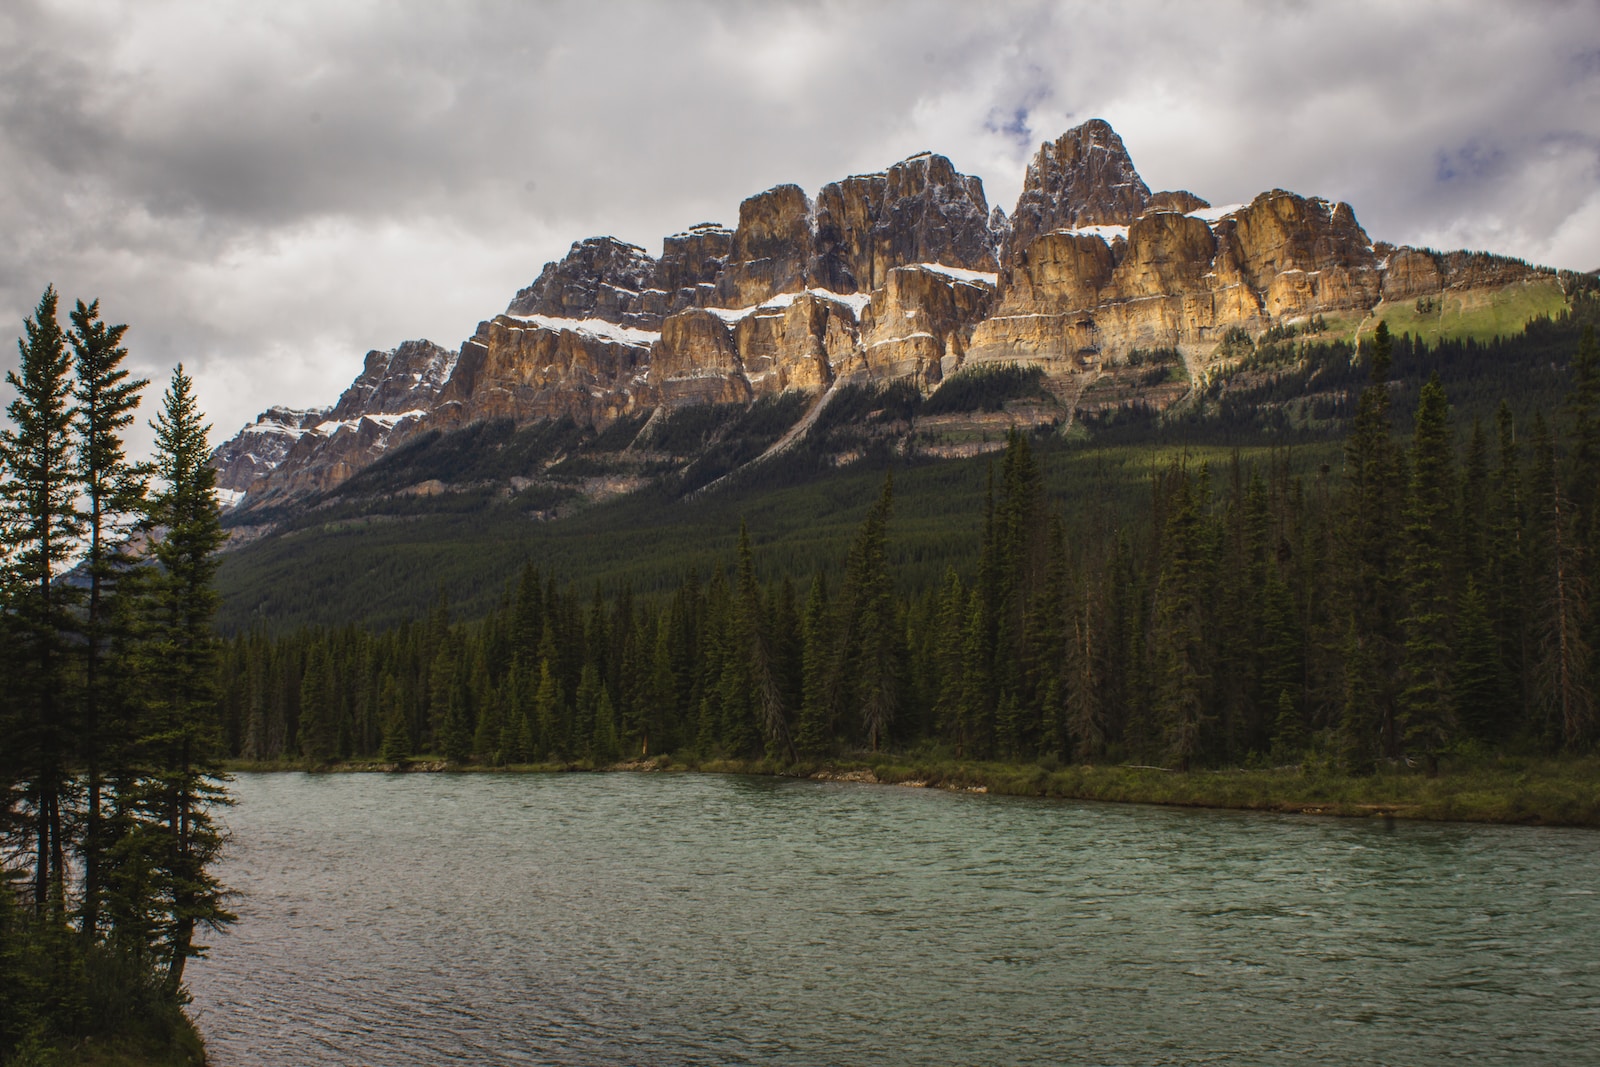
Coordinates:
1504 588
114 490
318 731
1085 703
1427 702
1480 697
764 670
396 746
176 663
814 733
1372 541
1562 681
1179 646
40 514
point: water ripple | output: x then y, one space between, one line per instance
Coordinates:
618 919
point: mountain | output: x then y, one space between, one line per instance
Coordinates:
1094 294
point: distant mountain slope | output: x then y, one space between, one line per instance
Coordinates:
461 510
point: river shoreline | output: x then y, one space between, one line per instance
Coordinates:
1533 792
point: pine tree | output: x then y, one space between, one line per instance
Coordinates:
872 652
182 786
1562 682
1504 587
1427 703
550 711
396 747
604 744
1371 541
763 667
1183 670
1086 724
319 732
814 733
38 509
114 489
1480 696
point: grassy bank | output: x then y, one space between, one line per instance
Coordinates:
1532 791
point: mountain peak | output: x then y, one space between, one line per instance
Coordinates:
1085 177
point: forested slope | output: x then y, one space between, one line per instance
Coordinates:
370 553
1412 594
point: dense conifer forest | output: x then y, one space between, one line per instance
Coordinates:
1427 596
108 729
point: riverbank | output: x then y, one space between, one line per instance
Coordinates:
1529 791
118 1028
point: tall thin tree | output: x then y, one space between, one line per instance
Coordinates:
114 490
38 503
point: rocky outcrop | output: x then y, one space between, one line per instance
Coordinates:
920 211
1074 301
691 262
919 325
771 248
261 447
391 398
1303 255
600 278
537 367
1083 178
1180 200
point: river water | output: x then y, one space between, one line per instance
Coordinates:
699 919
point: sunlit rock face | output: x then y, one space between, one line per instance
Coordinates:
600 278
903 275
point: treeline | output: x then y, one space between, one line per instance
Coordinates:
1425 599
107 718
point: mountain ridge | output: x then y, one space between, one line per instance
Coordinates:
900 276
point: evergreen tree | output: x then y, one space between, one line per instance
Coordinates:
1481 703
39 511
319 731
1562 684
1086 721
1504 587
763 666
114 490
604 744
396 746
550 712
1372 540
870 596
1183 669
814 733
182 786
1427 703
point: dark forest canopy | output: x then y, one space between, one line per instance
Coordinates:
1428 595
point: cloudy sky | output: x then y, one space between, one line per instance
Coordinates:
265 191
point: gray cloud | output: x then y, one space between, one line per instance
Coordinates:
266 191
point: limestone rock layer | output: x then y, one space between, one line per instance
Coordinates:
904 275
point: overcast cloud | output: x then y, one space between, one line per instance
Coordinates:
268 190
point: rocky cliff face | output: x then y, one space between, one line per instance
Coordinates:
1083 178
316 450
920 211
261 447
601 277
902 275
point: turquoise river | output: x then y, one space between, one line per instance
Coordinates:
701 919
